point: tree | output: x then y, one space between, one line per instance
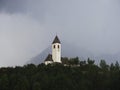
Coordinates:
82 63
112 67
90 62
74 61
36 86
103 65
65 60
4 82
116 66
22 83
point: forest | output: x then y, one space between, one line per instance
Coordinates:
73 74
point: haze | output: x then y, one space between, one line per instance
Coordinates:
27 27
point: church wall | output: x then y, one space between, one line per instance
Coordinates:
56 52
48 62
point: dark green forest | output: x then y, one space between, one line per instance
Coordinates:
73 74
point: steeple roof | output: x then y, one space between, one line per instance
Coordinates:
56 40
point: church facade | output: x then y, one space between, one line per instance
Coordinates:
56 52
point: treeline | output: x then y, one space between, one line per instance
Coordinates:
72 75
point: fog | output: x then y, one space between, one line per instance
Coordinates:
27 27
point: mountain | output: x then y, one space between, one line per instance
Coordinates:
40 57
70 50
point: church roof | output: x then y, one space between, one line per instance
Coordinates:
56 40
49 58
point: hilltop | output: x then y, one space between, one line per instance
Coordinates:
86 76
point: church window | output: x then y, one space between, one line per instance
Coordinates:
54 46
58 46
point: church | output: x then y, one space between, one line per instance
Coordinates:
56 52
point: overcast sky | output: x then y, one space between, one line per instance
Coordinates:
27 27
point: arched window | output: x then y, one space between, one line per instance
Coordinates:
58 46
54 46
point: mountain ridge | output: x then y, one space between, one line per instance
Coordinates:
71 51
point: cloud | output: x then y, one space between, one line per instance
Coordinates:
21 37
27 27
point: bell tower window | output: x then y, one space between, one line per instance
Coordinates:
58 46
54 46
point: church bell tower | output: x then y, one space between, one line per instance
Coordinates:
56 50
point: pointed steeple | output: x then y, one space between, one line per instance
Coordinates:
56 40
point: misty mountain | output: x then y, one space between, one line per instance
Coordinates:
70 51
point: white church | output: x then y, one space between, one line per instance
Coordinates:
56 52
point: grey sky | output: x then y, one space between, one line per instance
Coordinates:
28 26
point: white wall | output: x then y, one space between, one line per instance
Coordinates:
48 62
56 52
